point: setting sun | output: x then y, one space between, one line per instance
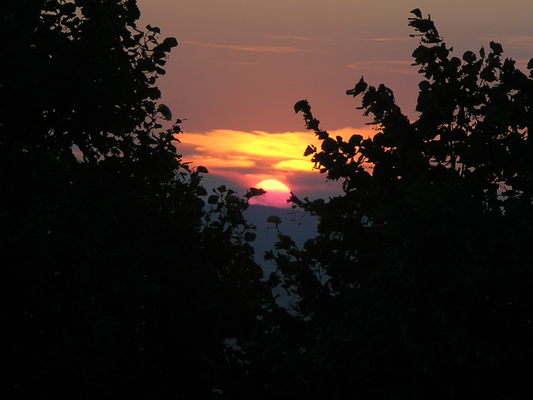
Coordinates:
273 185
277 194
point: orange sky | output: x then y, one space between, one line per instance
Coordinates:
242 64
247 157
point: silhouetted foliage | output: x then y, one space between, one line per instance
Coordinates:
120 280
419 284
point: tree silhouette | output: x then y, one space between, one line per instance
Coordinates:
120 280
418 284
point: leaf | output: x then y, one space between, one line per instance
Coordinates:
482 52
68 8
213 199
487 74
222 188
455 63
249 236
359 88
530 64
355 140
170 42
309 150
273 278
153 29
274 219
253 192
165 111
329 145
469 57
302 105
496 48
417 12
202 169
322 135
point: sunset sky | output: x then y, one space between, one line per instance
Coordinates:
242 64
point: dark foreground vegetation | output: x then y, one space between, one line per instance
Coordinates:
124 279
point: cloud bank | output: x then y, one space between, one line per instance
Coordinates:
248 157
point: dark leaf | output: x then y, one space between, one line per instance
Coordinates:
273 219
69 8
416 12
469 57
252 192
329 145
165 111
273 278
359 88
249 236
153 29
302 105
309 150
496 48
170 42
355 140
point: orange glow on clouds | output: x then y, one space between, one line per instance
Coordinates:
262 152
231 148
249 157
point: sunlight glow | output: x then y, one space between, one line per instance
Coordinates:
273 185
248 157
256 152
296 165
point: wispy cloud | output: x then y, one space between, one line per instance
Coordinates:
244 158
395 66
256 152
512 40
242 63
247 48
384 39
297 38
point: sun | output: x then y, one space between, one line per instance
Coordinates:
273 185
277 194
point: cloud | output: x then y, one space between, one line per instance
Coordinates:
384 39
247 48
251 156
511 40
297 38
395 66
242 63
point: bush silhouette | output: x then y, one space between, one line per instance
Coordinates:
419 283
121 280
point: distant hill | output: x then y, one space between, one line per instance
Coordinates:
299 225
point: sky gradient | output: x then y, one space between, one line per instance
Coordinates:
242 64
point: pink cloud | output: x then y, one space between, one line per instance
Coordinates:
247 48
